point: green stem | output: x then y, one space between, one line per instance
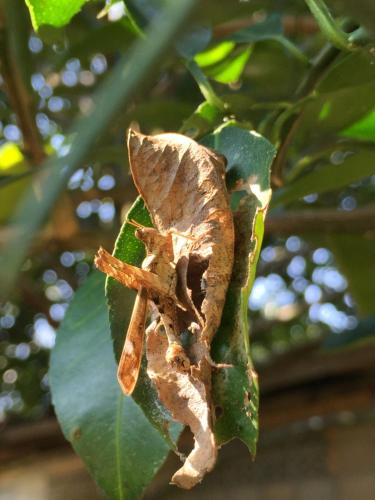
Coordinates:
285 115
204 85
328 25
117 89
319 68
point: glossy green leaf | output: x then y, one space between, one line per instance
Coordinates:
230 70
55 13
248 155
350 70
121 449
214 54
204 119
329 113
363 129
235 390
355 257
328 177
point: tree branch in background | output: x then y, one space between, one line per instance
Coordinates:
293 25
331 220
361 220
14 60
16 87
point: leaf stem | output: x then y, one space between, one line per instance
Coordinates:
321 64
328 25
204 85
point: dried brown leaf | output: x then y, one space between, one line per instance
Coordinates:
183 186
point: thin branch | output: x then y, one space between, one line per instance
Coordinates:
359 220
14 61
318 70
292 25
16 87
309 363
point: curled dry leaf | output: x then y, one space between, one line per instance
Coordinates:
183 186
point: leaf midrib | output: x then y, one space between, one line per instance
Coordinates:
119 412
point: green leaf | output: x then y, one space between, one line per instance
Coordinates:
248 154
350 79
264 30
328 177
203 120
230 70
329 113
355 256
121 449
55 13
269 29
350 70
363 129
235 390
214 54
120 300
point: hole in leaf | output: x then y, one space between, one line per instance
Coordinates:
218 411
